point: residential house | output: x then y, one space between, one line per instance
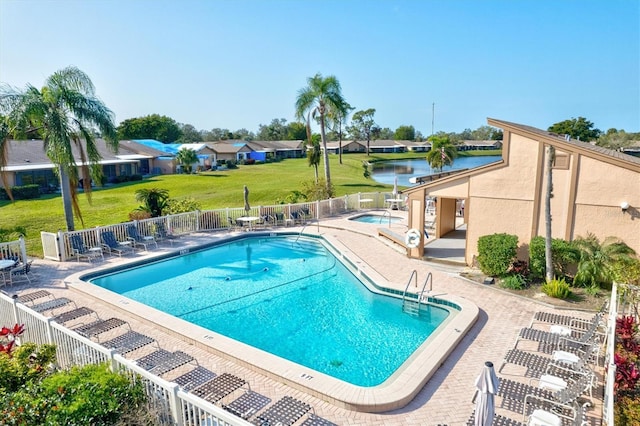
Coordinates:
595 190
27 162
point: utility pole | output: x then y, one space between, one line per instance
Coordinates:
433 115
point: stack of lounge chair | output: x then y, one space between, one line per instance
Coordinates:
560 371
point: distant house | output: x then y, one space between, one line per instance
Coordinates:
266 150
471 145
230 150
375 146
206 156
28 164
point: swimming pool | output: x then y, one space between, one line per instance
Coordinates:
288 296
376 219
395 392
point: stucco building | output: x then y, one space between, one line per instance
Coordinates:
595 190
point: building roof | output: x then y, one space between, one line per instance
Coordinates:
583 148
30 155
559 141
229 147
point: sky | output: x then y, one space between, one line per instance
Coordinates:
438 65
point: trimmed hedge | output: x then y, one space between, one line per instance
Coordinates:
496 253
564 255
26 192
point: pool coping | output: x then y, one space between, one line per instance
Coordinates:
395 392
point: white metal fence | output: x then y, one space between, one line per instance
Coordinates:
58 246
171 405
609 362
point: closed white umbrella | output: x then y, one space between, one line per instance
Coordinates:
246 199
395 187
487 387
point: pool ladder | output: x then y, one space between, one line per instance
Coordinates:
411 305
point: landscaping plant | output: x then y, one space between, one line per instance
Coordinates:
557 288
496 253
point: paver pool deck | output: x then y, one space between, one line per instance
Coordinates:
447 396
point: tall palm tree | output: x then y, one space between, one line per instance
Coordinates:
67 113
442 152
548 241
321 97
338 119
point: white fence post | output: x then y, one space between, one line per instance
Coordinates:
175 404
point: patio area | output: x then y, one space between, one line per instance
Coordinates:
445 399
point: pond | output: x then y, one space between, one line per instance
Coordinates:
385 171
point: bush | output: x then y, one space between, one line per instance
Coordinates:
563 253
139 215
176 206
135 177
514 282
89 395
496 253
26 192
557 288
231 164
249 161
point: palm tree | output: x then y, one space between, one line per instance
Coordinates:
67 113
313 156
338 118
548 241
597 264
321 98
154 200
442 152
187 157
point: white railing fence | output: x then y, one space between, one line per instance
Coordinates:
169 404
57 246
15 250
609 362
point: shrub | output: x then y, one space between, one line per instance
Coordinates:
557 288
563 254
135 177
231 164
249 161
25 192
89 395
496 253
514 282
598 260
176 206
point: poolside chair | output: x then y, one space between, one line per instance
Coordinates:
162 361
233 224
194 378
577 362
98 327
128 342
20 272
51 305
561 337
140 240
112 246
568 320
221 386
162 234
286 411
79 250
33 296
247 404
73 314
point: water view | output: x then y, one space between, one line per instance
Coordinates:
384 172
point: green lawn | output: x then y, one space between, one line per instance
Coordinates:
268 184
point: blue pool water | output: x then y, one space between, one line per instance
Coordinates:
288 296
377 219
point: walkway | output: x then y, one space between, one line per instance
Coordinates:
446 398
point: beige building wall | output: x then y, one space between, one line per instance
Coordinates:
589 186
